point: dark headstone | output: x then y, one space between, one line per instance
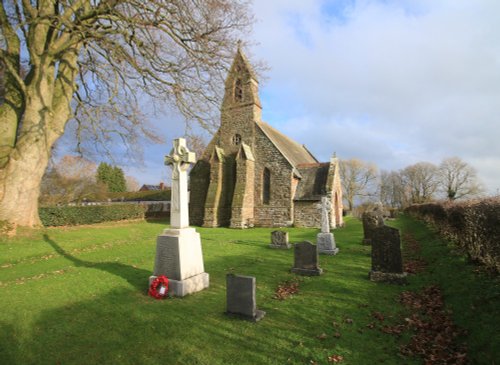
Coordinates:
279 239
387 263
371 221
306 259
240 301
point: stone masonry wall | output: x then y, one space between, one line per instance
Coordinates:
335 189
242 214
306 214
213 194
198 186
278 213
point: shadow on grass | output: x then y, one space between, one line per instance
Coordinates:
136 277
163 221
121 328
126 327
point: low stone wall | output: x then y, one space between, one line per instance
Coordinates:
474 226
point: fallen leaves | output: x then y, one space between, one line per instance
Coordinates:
414 266
335 358
435 334
286 289
413 263
379 316
323 336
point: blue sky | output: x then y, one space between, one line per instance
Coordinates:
391 82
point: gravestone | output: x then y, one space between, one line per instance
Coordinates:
306 259
178 249
387 263
371 221
325 239
240 297
279 239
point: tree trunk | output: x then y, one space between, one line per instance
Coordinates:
20 185
46 111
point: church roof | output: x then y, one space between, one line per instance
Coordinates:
312 185
294 152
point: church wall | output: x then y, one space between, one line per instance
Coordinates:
278 212
242 214
199 179
335 191
306 214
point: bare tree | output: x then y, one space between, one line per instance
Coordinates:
421 182
90 61
72 179
358 180
196 144
392 189
458 179
132 183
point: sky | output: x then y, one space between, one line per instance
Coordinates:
391 82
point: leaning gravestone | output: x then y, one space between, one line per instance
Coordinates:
306 259
279 239
371 221
387 263
240 300
178 249
325 239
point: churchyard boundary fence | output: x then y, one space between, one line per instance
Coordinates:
474 226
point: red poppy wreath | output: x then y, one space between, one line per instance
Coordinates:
159 287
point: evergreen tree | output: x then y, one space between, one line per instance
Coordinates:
112 176
119 185
104 173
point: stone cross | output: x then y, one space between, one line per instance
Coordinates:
325 207
179 159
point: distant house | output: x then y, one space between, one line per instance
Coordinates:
153 187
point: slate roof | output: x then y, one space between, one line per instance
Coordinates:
149 187
294 152
312 185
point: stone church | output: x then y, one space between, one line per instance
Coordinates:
253 175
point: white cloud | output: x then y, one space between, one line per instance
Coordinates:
391 82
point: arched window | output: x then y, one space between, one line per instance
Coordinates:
266 186
238 90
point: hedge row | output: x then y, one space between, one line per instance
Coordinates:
76 215
153 195
474 226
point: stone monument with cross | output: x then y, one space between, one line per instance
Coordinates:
325 240
178 249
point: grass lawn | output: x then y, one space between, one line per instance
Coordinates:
78 296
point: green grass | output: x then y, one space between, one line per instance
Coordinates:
78 296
